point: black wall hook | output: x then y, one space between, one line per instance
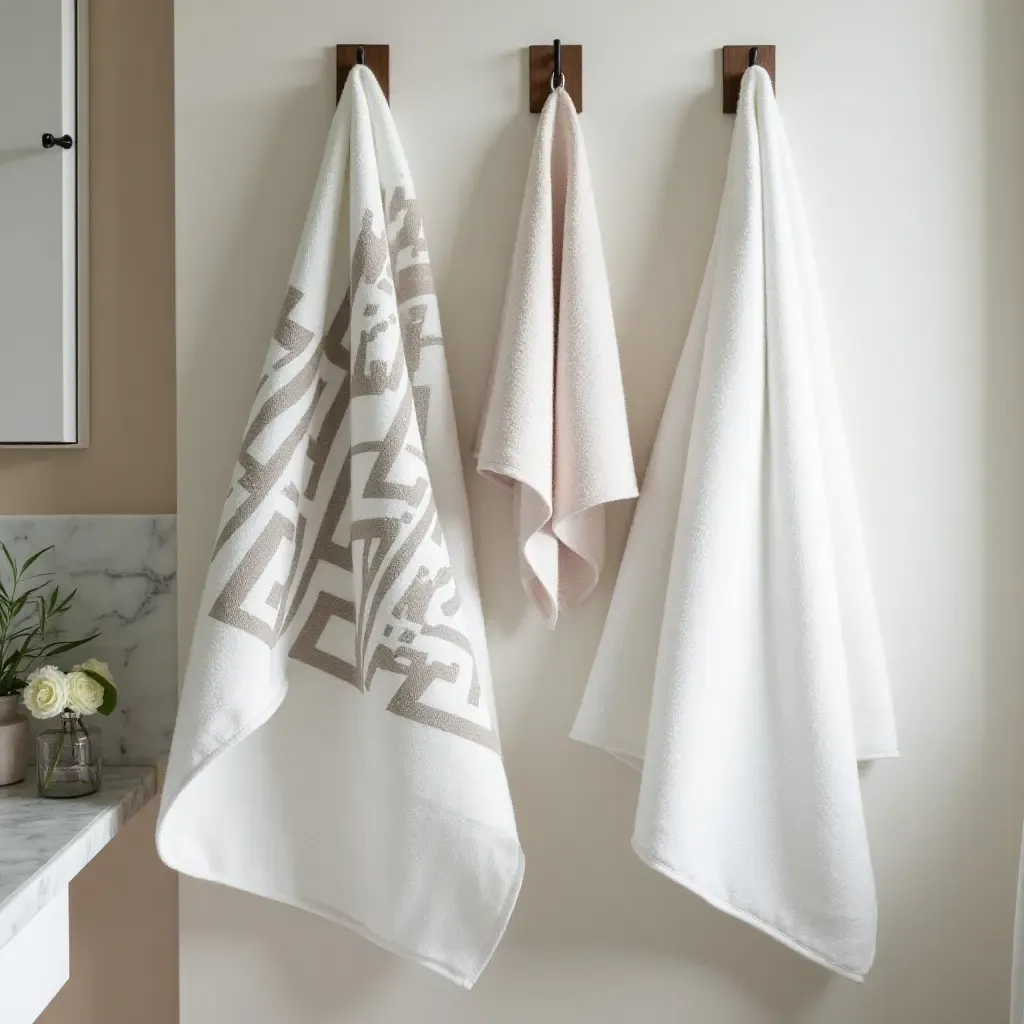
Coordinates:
557 78
752 59
360 55
64 141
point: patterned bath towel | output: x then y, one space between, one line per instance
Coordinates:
336 747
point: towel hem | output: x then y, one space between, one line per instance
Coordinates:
743 915
878 755
465 981
621 752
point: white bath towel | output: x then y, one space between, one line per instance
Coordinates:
741 664
336 747
555 424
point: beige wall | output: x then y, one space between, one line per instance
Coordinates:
124 950
904 119
124 956
129 465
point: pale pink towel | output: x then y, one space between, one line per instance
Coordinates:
555 425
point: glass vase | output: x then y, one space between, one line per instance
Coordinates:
68 760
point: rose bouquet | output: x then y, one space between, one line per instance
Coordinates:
32 608
87 689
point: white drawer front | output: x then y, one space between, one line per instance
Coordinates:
35 964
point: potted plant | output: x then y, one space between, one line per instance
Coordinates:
30 608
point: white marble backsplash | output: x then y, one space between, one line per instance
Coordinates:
124 570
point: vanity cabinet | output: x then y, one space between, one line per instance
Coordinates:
43 222
35 965
44 845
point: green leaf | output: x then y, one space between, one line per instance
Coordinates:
30 605
44 575
10 559
18 656
34 590
32 559
52 650
109 692
26 630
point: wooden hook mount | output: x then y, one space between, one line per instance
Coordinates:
736 60
376 58
542 67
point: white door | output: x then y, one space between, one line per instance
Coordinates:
39 337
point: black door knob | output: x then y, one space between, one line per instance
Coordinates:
64 141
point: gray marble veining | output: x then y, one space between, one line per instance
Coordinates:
45 843
124 569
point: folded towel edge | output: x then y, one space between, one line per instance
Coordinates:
465 981
171 797
621 750
745 916
176 863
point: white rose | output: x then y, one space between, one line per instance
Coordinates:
85 695
101 668
46 693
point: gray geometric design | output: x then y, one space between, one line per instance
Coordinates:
406 631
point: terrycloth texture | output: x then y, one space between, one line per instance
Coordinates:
741 664
336 747
555 426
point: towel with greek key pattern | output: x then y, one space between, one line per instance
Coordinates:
336 747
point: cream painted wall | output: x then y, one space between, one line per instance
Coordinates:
904 118
124 906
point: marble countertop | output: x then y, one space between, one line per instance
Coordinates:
45 843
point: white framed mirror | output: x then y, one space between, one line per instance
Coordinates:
44 248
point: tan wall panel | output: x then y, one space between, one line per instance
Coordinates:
124 936
124 906
129 465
